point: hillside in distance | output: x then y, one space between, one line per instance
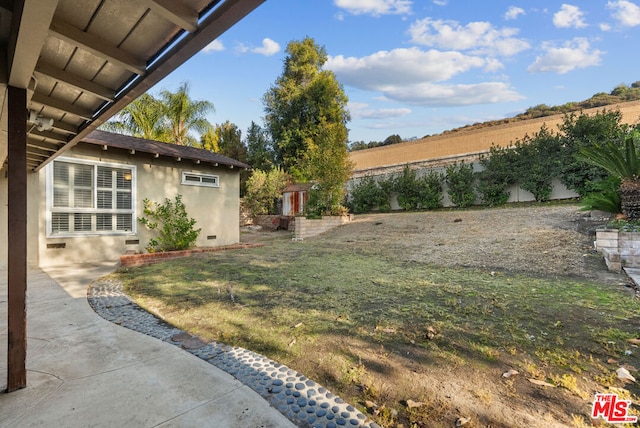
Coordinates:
620 94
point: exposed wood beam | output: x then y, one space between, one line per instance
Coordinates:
175 12
77 82
225 16
65 127
38 152
62 106
17 235
42 145
29 24
97 46
49 135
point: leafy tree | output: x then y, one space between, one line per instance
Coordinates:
183 115
263 189
392 139
230 144
304 104
537 163
585 131
143 118
259 150
419 193
497 175
210 140
369 193
328 164
459 178
175 227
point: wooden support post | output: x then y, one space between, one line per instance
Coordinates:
17 237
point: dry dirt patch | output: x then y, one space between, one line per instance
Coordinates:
543 240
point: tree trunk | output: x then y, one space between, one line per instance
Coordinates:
630 195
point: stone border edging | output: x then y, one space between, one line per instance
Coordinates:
128 260
301 400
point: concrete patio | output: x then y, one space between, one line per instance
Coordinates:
85 371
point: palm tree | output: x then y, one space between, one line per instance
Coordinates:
182 114
621 161
142 118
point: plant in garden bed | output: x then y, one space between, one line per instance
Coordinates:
175 227
622 161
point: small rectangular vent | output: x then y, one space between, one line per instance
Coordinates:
57 245
211 236
132 241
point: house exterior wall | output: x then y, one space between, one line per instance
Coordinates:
215 209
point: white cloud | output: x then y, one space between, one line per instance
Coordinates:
411 75
625 12
362 111
440 2
215 46
268 48
401 66
375 7
569 16
430 94
513 12
605 27
573 54
479 37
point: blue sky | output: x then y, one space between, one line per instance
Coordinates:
420 67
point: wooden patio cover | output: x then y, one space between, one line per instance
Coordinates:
68 66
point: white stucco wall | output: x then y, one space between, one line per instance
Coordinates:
216 210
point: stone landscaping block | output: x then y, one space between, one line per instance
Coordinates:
606 234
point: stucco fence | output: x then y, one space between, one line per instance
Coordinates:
516 194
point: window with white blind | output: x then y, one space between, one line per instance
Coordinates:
90 198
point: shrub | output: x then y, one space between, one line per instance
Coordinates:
537 163
176 228
497 176
418 193
605 196
369 194
459 179
263 188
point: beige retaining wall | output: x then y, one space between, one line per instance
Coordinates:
620 249
306 228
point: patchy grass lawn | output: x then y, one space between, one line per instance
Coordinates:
380 330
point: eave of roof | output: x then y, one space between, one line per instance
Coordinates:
141 145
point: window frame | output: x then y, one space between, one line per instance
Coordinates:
94 211
200 183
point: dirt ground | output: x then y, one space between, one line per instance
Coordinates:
541 241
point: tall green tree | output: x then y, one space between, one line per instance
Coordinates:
302 96
259 150
183 115
230 144
143 118
306 116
